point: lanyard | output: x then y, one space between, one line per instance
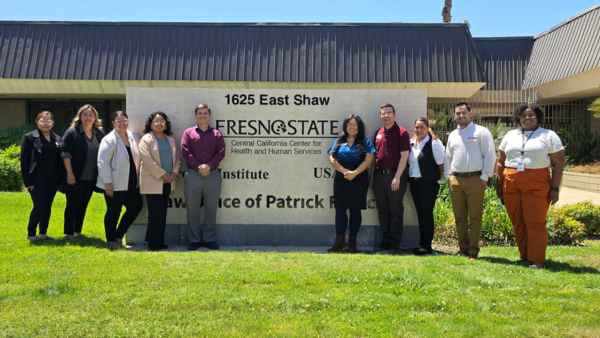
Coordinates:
525 141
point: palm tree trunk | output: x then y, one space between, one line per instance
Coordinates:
446 11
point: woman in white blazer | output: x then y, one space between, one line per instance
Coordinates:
161 160
118 172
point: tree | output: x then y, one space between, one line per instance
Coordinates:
446 11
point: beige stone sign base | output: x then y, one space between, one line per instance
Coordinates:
276 170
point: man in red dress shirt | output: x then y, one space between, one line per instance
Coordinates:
389 178
202 148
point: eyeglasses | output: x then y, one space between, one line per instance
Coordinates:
528 116
46 121
159 121
121 121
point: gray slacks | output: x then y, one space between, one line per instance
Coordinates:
197 188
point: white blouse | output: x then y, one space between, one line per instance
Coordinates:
415 150
540 145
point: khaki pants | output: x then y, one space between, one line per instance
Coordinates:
526 199
467 202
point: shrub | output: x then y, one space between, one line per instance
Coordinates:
562 229
567 225
581 146
590 168
586 213
13 135
443 217
10 174
13 152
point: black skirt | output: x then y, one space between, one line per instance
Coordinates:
350 194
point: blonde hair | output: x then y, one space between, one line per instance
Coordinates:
77 119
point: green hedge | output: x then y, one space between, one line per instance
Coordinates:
10 169
13 135
10 153
567 225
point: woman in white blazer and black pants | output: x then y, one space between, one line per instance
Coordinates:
161 160
118 172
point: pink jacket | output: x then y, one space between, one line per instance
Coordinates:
151 172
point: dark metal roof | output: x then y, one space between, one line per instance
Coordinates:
505 61
239 52
566 49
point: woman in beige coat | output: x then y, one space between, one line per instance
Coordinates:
158 174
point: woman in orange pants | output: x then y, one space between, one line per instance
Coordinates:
524 183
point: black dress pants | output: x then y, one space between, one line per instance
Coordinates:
157 216
77 202
390 205
42 196
424 195
132 201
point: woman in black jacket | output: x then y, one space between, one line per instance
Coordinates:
40 169
80 153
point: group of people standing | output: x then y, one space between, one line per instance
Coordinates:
523 179
124 165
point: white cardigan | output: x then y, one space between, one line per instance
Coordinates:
113 160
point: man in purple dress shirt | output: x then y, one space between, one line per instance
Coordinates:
202 148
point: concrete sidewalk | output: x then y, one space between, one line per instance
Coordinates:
572 196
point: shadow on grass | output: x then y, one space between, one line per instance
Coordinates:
551 265
81 242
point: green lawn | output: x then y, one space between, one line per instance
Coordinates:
62 289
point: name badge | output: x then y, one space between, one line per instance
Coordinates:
471 139
378 136
521 167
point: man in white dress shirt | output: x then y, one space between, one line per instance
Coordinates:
469 163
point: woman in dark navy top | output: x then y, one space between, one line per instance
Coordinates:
351 154
40 169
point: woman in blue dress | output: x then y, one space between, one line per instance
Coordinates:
351 154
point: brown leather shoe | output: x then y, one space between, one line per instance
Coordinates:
472 257
352 244
461 253
339 245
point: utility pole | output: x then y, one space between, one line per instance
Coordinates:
446 11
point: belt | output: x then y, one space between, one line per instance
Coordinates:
386 171
415 178
463 175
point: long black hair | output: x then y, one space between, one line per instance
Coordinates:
359 140
148 124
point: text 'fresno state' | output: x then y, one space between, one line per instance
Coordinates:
278 127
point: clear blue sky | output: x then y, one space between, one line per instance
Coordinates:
507 18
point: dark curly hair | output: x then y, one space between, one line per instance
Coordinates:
148 125
539 113
359 140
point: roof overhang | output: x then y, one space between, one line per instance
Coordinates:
580 85
35 88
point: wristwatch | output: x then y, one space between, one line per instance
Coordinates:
554 189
